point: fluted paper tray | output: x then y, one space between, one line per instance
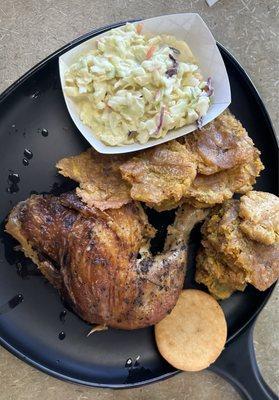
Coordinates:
188 27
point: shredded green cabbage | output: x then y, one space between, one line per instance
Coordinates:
130 82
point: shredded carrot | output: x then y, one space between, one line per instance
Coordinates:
157 95
139 28
150 52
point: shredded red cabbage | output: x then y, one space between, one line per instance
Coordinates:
209 88
174 60
199 123
173 70
175 50
161 119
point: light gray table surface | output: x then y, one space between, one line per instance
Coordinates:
29 31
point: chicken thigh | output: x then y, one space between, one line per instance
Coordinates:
100 260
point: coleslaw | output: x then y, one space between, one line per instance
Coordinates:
133 87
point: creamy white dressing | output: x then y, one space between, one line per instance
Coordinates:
131 87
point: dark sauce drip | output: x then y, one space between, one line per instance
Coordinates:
136 364
62 316
11 304
14 128
13 180
35 95
44 132
62 335
28 154
136 372
129 363
13 188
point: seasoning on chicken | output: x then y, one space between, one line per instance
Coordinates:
100 260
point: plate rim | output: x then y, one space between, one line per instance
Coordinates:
268 122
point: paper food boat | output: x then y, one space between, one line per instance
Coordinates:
193 30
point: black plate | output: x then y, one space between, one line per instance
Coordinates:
31 329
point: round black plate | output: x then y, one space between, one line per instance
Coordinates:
30 329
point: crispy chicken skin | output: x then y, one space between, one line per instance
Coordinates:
203 168
228 258
100 260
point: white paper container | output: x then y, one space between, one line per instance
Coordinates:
188 27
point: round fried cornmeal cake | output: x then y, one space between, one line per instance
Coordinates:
193 335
